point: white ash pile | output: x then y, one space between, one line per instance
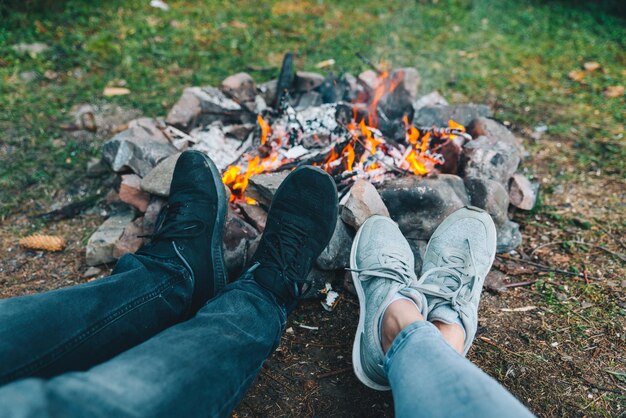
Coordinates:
391 151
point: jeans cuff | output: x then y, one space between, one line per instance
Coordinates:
421 328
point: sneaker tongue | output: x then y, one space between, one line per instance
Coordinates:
443 313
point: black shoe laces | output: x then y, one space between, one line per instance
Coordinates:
284 248
172 223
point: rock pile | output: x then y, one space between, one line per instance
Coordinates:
222 122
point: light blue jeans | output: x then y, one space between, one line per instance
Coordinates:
162 367
430 379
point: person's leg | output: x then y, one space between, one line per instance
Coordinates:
200 367
203 366
429 378
75 328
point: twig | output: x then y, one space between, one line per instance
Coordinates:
519 284
548 268
333 373
320 345
618 255
368 63
619 241
493 344
268 374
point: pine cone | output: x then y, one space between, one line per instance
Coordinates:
43 242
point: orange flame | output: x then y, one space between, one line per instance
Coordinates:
412 134
348 154
371 142
265 129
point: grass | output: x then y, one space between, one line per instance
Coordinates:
512 55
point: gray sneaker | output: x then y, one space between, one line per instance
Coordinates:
382 265
458 257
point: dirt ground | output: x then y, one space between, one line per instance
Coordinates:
556 340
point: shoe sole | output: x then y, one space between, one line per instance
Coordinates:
219 268
464 213
356 347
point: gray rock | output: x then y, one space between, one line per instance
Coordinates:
92 272
239 132
102 243
263 186
490 196
434 98
130 241
255 214
494 130
268 91
369 80
202 106
158 180
348 284
260 105
418 247
131 193
509 237
311 98
420 204
241 86
307 81
138 148
185 112
238 239
439 115
495 281
522 192
152 213
336 255
451 153
363 202
97 167
212 141
484 157
409 80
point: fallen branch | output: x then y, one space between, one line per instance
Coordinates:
333 373
618 255
548 268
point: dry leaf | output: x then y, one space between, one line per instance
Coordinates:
576 75
325 63
614 91
43 242
115 91
522 309
560 259
591 66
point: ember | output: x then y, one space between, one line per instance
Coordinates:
357 149
389 151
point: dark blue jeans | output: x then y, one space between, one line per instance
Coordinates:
108 348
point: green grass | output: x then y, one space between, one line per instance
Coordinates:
514 55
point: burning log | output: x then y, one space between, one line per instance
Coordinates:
372 131
285 79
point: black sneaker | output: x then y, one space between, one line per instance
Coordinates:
189 228
300 223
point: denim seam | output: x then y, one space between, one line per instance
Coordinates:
253 375
403 337
72 343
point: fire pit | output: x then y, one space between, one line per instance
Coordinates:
416 159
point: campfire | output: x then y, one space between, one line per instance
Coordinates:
356 149
390 151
